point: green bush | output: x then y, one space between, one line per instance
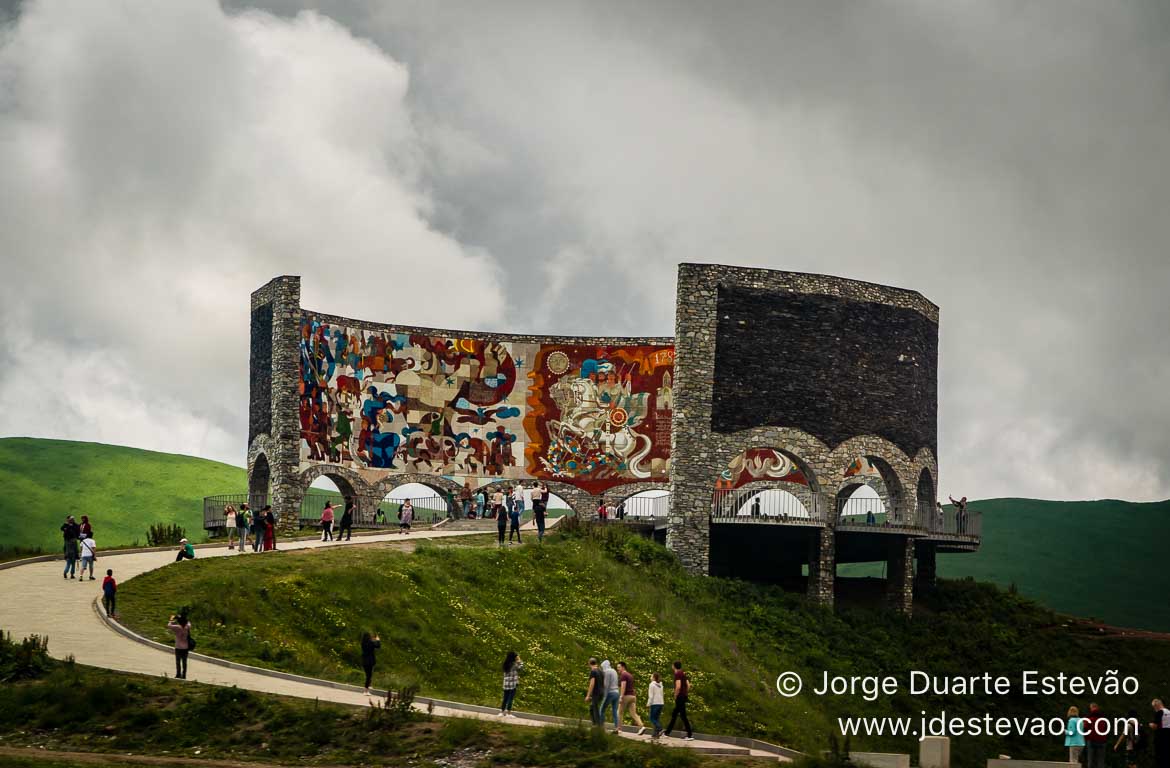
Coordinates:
159 535
23 660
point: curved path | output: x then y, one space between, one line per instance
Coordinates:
39 602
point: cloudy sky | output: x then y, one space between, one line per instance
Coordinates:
543 166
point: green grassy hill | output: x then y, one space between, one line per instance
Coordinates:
1096 559
123 490
447 614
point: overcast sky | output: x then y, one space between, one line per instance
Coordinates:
543 166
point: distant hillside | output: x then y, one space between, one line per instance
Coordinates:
1096 559
122 490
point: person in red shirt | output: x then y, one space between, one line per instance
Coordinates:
682 690
110 594
1096 735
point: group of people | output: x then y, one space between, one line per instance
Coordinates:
508 504
245 527
606 512
1087 738
611 692
80 547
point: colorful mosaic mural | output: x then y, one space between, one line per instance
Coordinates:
760 464
467 408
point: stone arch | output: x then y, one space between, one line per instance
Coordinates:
744 494
583 503
621 494
892 465
808 493
259 480
445 487
926 495
350 484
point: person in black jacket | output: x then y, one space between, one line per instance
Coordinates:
346 526
71 532
370 644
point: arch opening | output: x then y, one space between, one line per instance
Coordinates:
259 480
766 484
870 494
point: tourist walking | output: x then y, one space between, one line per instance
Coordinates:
514 516
186 551
518 498
405 516
682 691
498 503
539 508
70 531
110 594
88 556
269 528
1160 725
654 701
595 693
513 666
241 527
229 524
613 694
1073 738
629 699
501 523
480 503
370 646
180 627
1096 736
465 499
327 522
346 526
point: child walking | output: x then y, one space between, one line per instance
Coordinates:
110 594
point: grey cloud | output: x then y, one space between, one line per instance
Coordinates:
1008 161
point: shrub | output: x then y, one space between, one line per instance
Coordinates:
159 535
24 660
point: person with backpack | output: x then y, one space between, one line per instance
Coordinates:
180 627
327 522
513 666
88 556
346 527
110 594
682 691
370 646
71 532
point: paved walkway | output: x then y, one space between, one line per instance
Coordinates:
39 602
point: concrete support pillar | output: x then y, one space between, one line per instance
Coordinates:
900 575
822 566
926 575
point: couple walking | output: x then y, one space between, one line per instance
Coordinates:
613 690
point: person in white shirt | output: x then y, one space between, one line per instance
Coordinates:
88 555
655 701
519 497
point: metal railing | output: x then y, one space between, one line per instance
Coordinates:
948 522
761 505
644 507
370 512
878 512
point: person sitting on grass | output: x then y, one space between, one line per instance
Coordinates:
186 551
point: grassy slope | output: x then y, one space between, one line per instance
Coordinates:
122 490
1088 558
447 615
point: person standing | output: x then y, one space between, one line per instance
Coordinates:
539 508
346 528
518 499
186 551
242 527
465 498
628 701
1096 735
229 525
1131 737
682 691
269 528
327 522
498 503
595 692
86 528
110 594
1160 725
70 531
257 531
514 516
509 500
621 510
960 515
370 646
654 700
602 512
613 694
180 627
480 503
1073 738
501 522
513 666
88 556
405 516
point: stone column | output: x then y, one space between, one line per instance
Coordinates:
282 297
900 574
926 574
822 566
